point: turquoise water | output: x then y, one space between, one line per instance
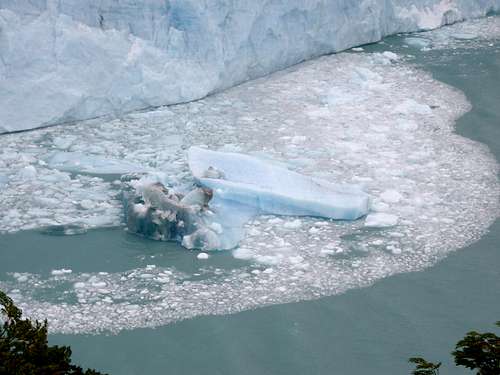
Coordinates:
372 330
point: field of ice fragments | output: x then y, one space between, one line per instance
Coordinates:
369 119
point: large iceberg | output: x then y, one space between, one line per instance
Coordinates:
66 60
272 189
232 189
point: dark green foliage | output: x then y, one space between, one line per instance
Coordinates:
424 367
476 351
479 351
24 347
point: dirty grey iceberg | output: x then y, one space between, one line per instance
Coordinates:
229 190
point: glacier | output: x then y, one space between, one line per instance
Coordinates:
68 60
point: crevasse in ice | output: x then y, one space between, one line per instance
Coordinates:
65 60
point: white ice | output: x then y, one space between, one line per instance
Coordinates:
91 164
381 220
68 60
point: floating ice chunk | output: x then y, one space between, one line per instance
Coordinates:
407 125
295 224
80 163
420 43
21 277
391 55
410 106
243 253
28 173
4 180
63 143
464 36
272 189
197 197
62 271
338 96
203 239
366 77
381 220
385 58
391 196
203 256
379 206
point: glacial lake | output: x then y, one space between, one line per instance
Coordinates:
367 330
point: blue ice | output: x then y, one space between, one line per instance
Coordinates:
272 189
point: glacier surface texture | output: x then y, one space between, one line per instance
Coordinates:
66 60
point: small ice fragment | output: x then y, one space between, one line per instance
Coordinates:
391 55
358 49
20 277
420 43
275 221
295 224
391 196
87 204
464 36
407 125
60 272
3 180
410 106
28 173
327 251
381 220
203 256
379 206
81 163
243 253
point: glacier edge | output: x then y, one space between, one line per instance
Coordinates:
67 60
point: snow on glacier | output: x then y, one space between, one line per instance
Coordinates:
432 190
66 60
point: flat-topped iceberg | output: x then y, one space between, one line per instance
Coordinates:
272 189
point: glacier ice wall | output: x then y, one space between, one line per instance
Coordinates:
65 60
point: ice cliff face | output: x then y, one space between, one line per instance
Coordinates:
70 60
